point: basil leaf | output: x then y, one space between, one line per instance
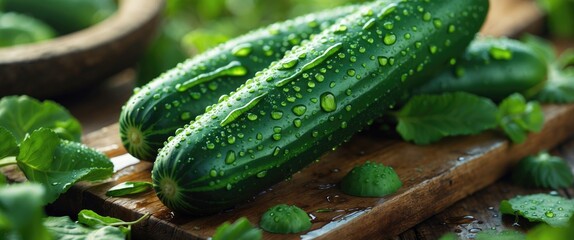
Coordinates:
428 118
22 114
543 170
517 118
58 164
21 212
553 210
127 188
65 228
241 229
9 147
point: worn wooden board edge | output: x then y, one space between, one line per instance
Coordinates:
394 215
403 211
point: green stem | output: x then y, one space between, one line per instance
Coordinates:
7 161
130 223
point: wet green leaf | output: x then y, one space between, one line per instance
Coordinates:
58 164
553 210
128 188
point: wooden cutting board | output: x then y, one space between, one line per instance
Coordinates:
434 177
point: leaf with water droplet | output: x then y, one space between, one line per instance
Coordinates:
44 158
546 208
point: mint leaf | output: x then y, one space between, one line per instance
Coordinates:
65 228
21 212
58 164
553 210
543 170
22 114
128 188
241 229
517 118
428 118
9 147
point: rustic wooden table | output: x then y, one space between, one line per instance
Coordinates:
100 107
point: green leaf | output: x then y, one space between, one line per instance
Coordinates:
448 236
545 232
517 118
65 228
559 87
241 229
503 235
428 118
21 212
58 164
2 180
22 114
128 188
9 147
543 170
92 219
553 210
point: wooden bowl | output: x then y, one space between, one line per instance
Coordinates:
78 60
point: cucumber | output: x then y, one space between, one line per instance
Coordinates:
65 16
176 97
311 101
494 68
18 29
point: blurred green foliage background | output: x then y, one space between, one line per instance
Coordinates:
193 26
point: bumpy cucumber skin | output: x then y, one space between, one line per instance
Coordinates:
158 109
481 73
194 173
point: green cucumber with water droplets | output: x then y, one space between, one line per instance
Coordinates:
494 68
311 101
176 97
